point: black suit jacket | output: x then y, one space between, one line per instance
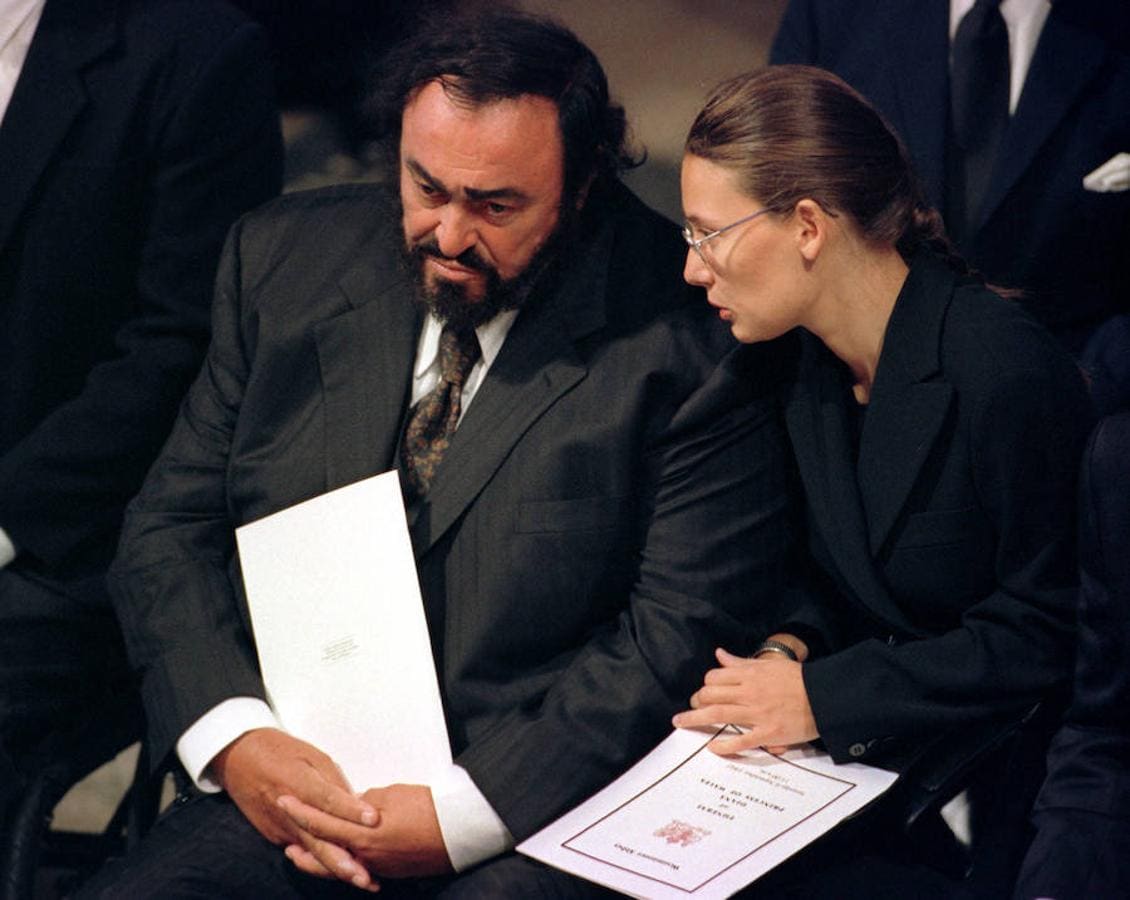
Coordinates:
945 568
611 507
1082 848
1038 229
137 132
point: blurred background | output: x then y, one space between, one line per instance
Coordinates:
661 57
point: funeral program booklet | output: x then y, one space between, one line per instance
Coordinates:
341 634
684 822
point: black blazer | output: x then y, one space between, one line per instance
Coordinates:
1039 228
594 530
137 132
1082 847
945 568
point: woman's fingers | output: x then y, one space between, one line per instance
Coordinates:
711 715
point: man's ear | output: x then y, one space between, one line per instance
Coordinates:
812 224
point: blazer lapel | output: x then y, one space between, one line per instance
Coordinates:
820 433
907 409
49 96
538 364
365 356
1068 56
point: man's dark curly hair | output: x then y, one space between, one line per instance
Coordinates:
504 54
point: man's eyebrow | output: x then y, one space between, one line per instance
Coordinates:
475 194
424 175
503 193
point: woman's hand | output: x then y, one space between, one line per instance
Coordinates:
766 695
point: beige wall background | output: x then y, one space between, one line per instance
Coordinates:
662 57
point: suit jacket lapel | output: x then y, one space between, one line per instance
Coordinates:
49 96
907 409
817 421
1069 54
366 356
538 363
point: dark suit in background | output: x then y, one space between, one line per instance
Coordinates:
1082 846
611 507
137 132
1038 228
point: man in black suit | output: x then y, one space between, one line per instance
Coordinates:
608 507
132 135
1036 226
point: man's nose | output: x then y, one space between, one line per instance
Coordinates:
455 231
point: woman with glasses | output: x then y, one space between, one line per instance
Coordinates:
936 431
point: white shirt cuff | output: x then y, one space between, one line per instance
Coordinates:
7 549
471 829
214 730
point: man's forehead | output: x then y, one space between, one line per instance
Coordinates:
511 144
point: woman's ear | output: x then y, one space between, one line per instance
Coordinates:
812 225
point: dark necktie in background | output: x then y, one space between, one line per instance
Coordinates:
979 115
433 421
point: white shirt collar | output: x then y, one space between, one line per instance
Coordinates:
18 21
14 15
491 336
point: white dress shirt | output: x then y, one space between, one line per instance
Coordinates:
472 830
18 21
1025 20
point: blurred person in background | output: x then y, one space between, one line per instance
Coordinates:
1017 116
132 134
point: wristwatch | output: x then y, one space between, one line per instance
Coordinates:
772 646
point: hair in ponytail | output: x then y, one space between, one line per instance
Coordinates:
792 132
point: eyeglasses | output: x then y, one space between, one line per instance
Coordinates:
696 245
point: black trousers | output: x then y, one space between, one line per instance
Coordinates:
62 663
205 848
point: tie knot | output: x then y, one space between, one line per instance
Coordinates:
458 352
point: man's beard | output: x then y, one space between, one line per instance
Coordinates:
451 303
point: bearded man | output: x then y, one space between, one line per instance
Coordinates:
593 477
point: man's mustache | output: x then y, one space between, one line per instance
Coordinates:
468 259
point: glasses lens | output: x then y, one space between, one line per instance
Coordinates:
688 236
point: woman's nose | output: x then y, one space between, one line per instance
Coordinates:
695 270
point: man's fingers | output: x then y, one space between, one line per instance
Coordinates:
321 824
330 797
335 860
307 862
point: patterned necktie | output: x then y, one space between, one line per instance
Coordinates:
979 93
433 421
